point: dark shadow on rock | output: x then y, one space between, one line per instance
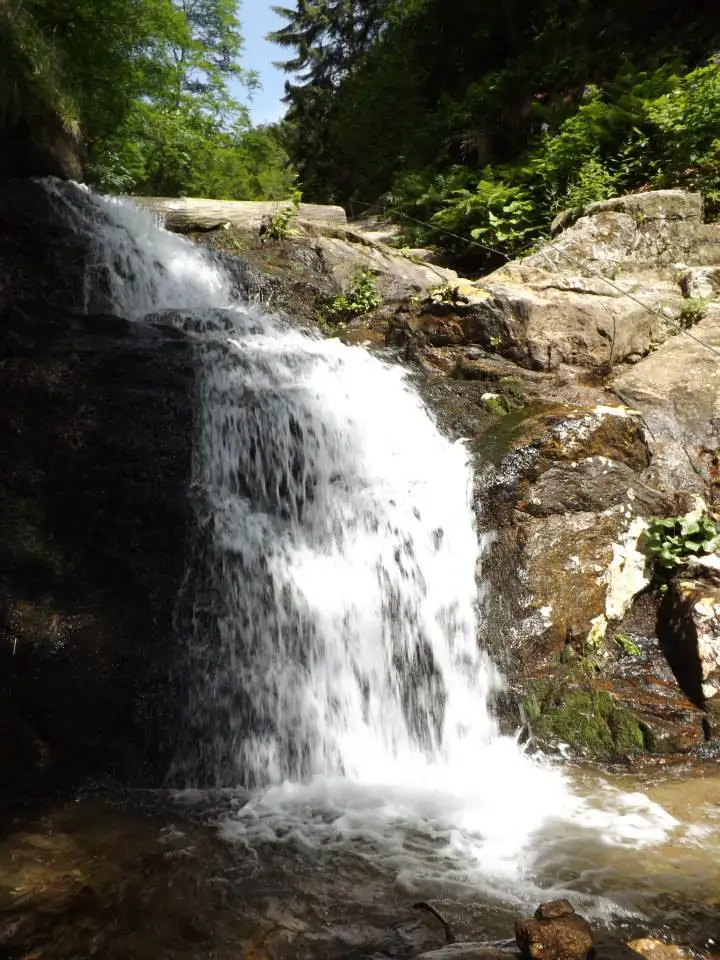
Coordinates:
95 445
677 637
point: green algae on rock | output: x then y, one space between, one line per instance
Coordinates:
587 720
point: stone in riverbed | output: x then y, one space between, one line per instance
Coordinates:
653 949
554 909
556 932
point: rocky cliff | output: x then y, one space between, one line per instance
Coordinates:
586 378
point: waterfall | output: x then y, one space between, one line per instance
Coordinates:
333 601
328 614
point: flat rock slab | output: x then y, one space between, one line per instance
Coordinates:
193 213
677 390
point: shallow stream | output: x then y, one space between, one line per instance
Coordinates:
158 875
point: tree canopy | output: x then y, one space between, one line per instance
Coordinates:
148 84
484 119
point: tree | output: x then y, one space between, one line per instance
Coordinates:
209 54
482 118
329 36
330 39
57 58
146 85
192 137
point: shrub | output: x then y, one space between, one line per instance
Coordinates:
653 129
279 224
361 297
692 311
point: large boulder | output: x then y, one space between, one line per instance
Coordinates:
677 391
608 289
36 142
556 932
542 323
567 502
94 465
660 226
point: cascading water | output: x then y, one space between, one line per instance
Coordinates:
330 606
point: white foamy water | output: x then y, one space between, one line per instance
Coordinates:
331 653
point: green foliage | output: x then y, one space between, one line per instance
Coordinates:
495 404
146 83
592 182
671 540
56 58
627 644
588 720
279 226
480 124
630 135
445 293
692 311
361 297
496 214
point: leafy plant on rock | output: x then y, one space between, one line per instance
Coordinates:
361 297
692 311
279 224
670 541
627 644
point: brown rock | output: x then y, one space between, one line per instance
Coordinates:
41 147
554 909
563 936
657 950
593 483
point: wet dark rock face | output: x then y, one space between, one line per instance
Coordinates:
95 443
39 146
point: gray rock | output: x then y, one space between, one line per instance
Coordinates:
662 205
677 390
604 291
689 630
701 282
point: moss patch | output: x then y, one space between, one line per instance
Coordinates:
588 720
496 405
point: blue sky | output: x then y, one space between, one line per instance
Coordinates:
258 20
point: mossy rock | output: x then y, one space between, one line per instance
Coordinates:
496 405
589 721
